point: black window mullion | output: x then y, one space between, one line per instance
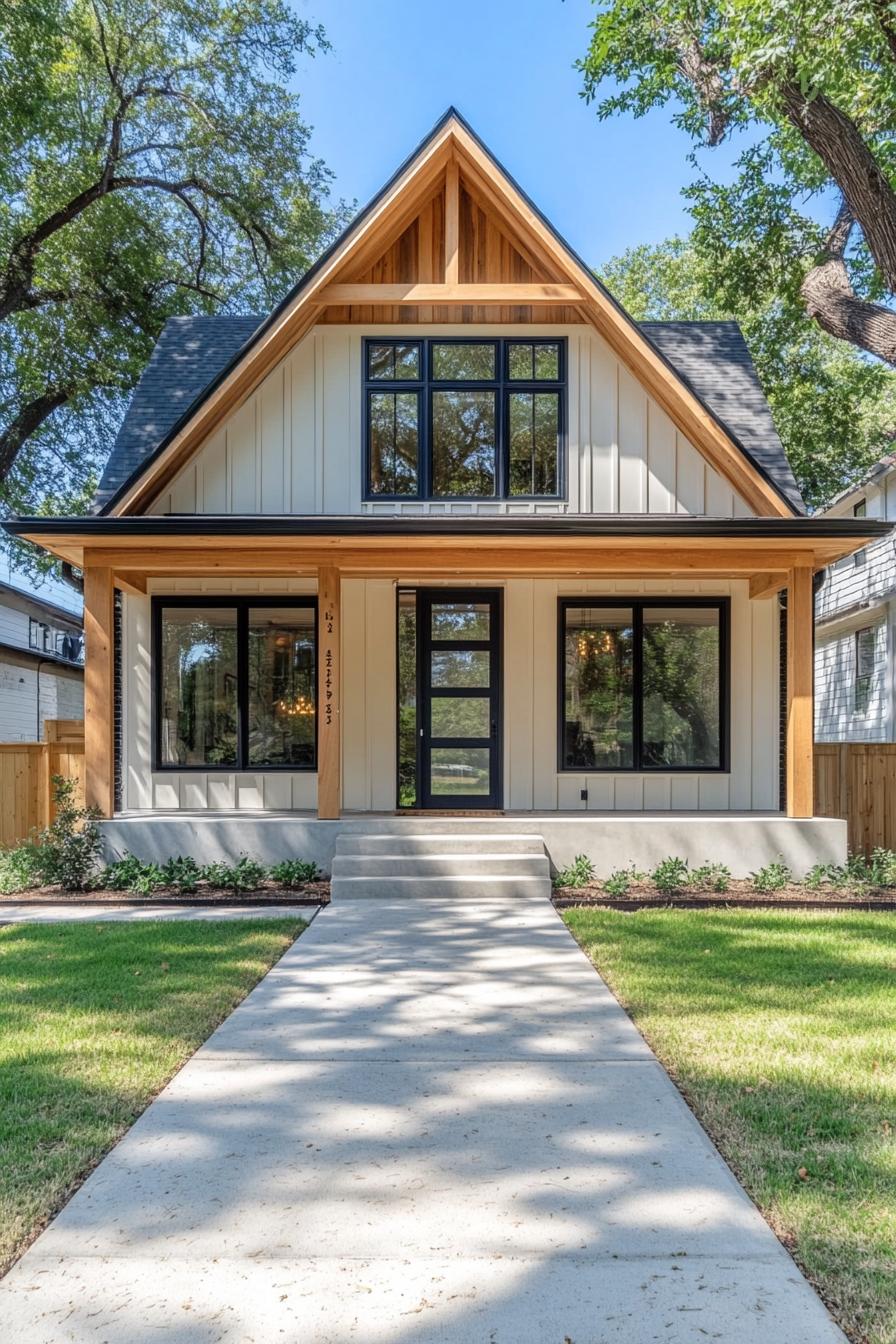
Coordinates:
242 685
637 685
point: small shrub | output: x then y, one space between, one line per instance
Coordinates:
148 880
712 876
121 875
822 874
883 868
578 874
773 877
293 873
619 882
68 851
19 869
244 875
182 873
671 875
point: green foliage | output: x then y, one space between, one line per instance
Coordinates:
773 877
182 873
754 73
820 875
67 853
834 409
19 869
712 876
122 874
619 882
294 873
671 875
578 874
244 875
153 162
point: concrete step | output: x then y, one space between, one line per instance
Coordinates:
442 842
472 886
437 864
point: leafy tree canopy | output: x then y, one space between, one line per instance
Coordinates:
152 163
813 83
835 409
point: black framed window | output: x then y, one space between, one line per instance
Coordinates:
464 418
865 655
643 684
234 683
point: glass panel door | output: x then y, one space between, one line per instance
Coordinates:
459 727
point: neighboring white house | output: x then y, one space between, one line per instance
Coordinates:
41 654
855 614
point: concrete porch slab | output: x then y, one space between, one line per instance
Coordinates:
744 841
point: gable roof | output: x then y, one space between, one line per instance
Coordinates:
712 357
452 148
715 360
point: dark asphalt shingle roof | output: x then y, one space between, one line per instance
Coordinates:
711 357
714 360
191 351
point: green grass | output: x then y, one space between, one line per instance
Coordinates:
94 1020
780 1029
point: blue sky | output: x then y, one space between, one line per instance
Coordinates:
507 65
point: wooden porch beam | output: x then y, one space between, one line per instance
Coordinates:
463 557
134 584
800 706
766 585
99 643
329 684
451 293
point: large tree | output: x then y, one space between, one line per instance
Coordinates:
813 82
152 162
835 409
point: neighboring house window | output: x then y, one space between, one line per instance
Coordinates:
235 683
860 510
464 418
643 685
35 639
865 649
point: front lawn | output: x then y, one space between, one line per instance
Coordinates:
94 1019
780 1029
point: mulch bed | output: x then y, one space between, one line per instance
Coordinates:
642 895
312 893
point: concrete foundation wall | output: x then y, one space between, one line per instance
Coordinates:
744 842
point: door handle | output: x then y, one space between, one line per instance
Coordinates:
494 730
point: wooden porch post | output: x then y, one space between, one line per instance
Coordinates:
329 744
99 636
800 706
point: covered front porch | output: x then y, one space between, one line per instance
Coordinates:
355 570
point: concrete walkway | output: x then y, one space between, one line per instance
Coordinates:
429 1124
28 912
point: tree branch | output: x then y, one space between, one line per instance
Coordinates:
28 419
842 149
830 299
886 19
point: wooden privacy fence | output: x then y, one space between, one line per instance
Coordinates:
26 774
857 780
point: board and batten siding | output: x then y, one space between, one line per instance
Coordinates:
295 446
532 781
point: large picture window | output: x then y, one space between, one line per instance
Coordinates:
451 418
235 684
643 685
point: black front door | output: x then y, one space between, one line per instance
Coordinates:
459 697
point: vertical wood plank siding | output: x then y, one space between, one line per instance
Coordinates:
295 445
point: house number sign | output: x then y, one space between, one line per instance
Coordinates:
329 679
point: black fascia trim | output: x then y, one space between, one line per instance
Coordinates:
355 525
241 604
426 385
637 605
358 219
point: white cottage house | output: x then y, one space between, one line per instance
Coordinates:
448 544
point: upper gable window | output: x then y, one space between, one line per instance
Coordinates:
468 418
